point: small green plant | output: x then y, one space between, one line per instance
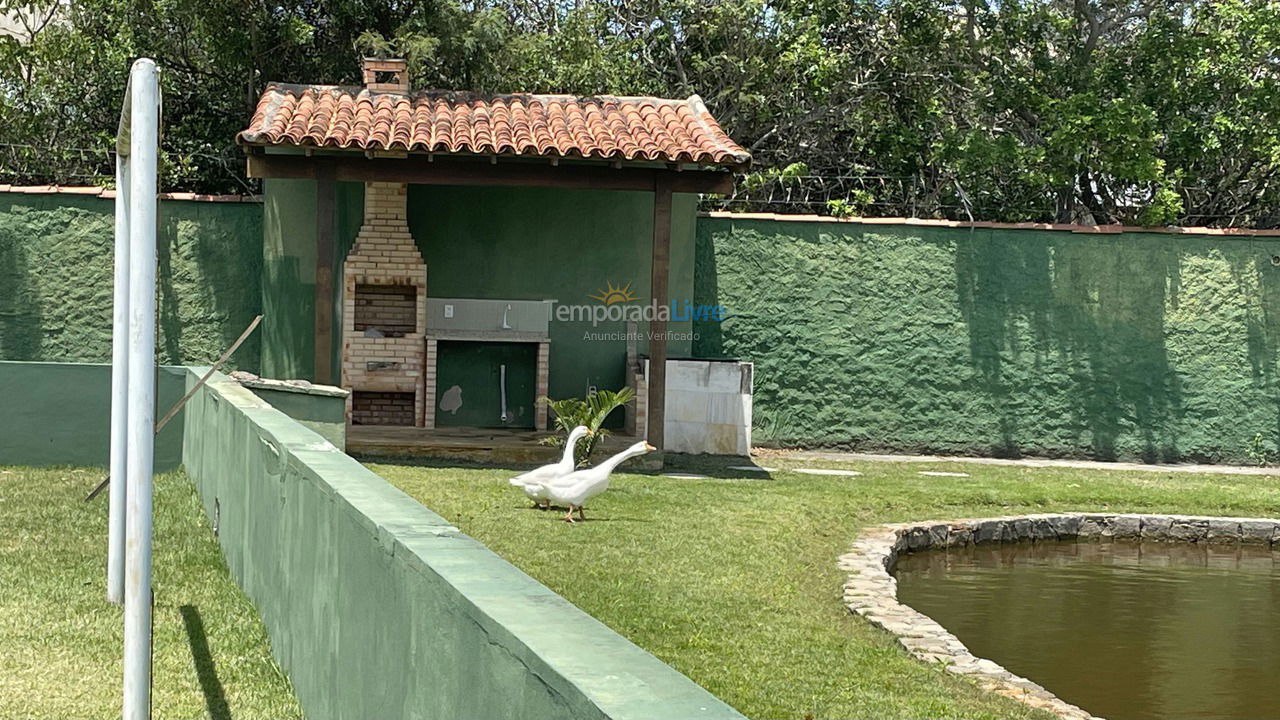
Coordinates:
590 411
856 204
1258 452
839 208
1164 209
783 176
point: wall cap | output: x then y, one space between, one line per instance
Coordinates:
107 193
926 222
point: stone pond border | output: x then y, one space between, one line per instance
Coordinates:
871 591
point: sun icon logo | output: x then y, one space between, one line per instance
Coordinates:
612 294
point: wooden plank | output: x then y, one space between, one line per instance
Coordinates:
326 199
658 281
417 170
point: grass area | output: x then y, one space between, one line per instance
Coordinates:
733 580
60 640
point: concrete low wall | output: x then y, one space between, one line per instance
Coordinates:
60 414
377 607
321 408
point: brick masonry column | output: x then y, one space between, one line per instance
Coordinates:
543 386
429 386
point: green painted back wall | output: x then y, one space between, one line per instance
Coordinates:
1137 345
56 266
534 244
505 243
903 338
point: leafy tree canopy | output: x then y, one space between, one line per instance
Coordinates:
1141 111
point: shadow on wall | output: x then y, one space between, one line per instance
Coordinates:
1259 274
209 278
57 268
1147 346
1099 306
708 335
20 311
168 318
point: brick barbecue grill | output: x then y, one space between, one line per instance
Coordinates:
384 303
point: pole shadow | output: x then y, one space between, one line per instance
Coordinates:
215 698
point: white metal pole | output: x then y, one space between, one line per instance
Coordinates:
144 116
119 388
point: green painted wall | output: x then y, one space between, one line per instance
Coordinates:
56 264
60 414
475 369
508 243
533 244
288 251
1137 345
378 608
323 413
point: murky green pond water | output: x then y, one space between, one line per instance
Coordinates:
1127 631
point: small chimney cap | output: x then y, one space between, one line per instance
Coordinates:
386 74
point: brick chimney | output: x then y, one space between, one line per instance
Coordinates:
390 75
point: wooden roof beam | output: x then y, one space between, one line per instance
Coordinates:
570 177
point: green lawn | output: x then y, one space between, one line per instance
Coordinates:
733 580
60 640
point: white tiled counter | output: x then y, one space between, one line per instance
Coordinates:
708 407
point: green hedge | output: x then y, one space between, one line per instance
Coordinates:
981 341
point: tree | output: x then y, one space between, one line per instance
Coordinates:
1150 111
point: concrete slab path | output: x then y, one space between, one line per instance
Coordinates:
834 456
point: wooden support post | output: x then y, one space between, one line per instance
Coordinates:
326 199
658 284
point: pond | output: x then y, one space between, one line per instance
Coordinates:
1125 630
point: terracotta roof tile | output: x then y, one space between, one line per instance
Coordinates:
604 127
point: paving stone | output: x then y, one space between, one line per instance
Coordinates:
1256 532
1188 530
918 539
1225 532
988 531
828 471
959 536
1065 525
1021 528
938 535
1043 529
1090 527
1126 527
1156 527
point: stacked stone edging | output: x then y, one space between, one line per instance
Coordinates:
872 592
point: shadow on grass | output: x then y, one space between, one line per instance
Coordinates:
215 699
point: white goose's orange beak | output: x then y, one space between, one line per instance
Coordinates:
649 448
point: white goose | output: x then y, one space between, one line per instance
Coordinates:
574 489
533 481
